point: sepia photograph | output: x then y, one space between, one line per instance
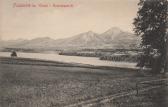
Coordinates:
83 53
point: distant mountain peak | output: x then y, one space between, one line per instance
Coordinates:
113 30
87 34
43 38
90 32
112 38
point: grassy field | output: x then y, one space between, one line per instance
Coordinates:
152 98
35 83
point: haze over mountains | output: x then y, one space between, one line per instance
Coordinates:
113 38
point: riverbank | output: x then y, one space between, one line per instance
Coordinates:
38 62
115 56
37 83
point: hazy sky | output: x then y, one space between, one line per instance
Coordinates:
61 22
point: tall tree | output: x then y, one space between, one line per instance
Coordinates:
151 25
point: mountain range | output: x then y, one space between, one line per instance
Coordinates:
113 38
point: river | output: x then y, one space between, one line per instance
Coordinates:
71 59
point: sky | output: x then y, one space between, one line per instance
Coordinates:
29 22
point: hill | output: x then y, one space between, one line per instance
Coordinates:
113 38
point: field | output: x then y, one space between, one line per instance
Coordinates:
35 83
152 98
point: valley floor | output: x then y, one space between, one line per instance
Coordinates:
35 83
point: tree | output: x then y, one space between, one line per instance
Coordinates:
151 25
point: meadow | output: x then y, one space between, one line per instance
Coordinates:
35 83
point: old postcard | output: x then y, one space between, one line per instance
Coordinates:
83 53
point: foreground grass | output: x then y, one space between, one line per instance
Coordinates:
57 86
151 98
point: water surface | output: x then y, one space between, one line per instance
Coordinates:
71 59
